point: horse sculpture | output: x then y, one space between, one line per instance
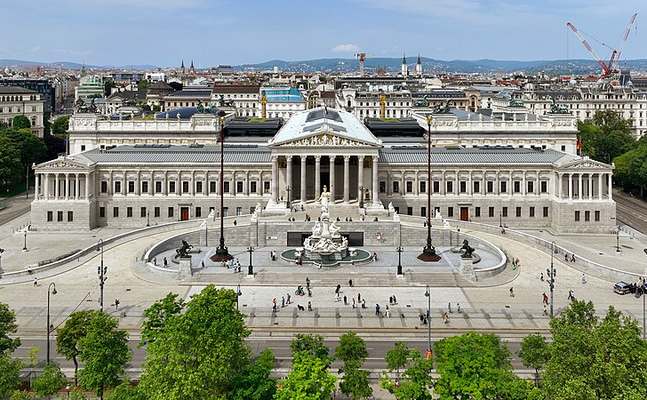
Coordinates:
184 250
468 249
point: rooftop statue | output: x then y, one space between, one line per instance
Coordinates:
558 108
443 108
225 103
200 107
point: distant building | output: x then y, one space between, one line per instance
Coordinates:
45 87
16 101
90 86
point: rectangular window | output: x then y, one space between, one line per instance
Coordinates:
423 187
450 187
463 186
239 187
157 212
577 216
436 187
212 186
531 187
531 211
518 212
225 211
142 212
115 212
396 187
171 187
131 186
145 187
50 216
185 186
252 187
597 216
59 216
545 212
170 212
490 212
104 186
158 186
517 186
409 210
490 186
477 211
226 187
477 187
409 187
198 212
543 186
102 212
450 212
504 211
118 187
382 187
504 187
239 210
70 216
129 212
423 211
587 216
266 187
198 187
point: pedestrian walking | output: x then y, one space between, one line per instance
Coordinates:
390 299
565 256
309 306
458 307
116 304
350 282
573 257
363 303
445 318
583 278
282 301
395 301
359 298
449 307
545 310
511 291
165 263
545 298
541 276
235 223
307 282
337 298
353 302
388 312
155 261
288 298
377 310
202 263
570 295
338 289
35 281
345 300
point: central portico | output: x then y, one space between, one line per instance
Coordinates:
324 147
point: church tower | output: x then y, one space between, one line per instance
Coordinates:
419 67
191 69
182 69
405 69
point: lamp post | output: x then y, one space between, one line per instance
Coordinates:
618 240
551 276
250 269
24 246
27 182
101 270
400 249
428 295
238 294
51 289
500 222
148 218
361 197
429 252
287 190
222 253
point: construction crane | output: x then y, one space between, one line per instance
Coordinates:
362 57
612 67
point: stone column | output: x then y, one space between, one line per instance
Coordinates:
510 187
317 177
191 186
46 187
275 179
138 184
579 186
524 189
376 187
166 183
67 186
538 184
416 190
559 185
288 173
303 178
346 179
246 187
610 183
56 188
570 186
360 178
331 189
36 185
77 187
87 186
599 186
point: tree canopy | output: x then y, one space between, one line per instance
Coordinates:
21 122
352 351
50 381
313 345
309 379
606 136
61 125
416 381
199 351
254 382
9 368
68 337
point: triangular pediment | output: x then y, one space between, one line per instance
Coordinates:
585 163
65 164
326 139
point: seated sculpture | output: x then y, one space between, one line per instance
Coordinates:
468 249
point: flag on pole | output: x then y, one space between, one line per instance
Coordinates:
325 109
579 144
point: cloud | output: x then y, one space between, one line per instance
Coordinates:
346 48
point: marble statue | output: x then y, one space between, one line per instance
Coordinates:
257 212
446 224
438 215
396 216
316 230
391 208
324 199
334 230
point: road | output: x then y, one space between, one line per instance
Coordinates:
631 211
377 348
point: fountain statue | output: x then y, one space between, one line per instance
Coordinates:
325 243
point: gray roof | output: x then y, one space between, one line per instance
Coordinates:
481 155
15 90
167 154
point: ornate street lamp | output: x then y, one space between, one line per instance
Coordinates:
238 294
552 273
429 251
51 289
250 269
400 249
222 253
101 271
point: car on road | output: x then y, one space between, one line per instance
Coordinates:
622 287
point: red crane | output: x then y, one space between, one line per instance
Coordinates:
612 67
362 57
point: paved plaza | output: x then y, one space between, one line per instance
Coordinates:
485 304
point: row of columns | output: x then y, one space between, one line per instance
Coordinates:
71 189
331 189
580 185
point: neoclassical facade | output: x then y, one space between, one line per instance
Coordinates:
150 183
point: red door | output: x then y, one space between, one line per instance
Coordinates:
184 213
465 214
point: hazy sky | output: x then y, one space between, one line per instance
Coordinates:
212 32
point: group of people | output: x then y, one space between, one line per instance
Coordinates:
233 263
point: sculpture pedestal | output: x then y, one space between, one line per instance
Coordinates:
467 269
184 270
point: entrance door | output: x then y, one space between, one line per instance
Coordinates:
465 213
184 213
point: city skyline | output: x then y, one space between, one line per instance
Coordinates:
209 33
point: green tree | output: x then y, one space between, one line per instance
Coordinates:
415 382
309 379
105 352
32 148
593 359
534 353
21 395
61 125
352 351
631 168
68 337
50 381
47 124
397 357
8 326
157 315
21 122
9 373
143 85
198 352
11 169
125 391
107 87
606 136
477 366
311 344
254 383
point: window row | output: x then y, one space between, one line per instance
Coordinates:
587 216
157 212
462 186
59 216
185 186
